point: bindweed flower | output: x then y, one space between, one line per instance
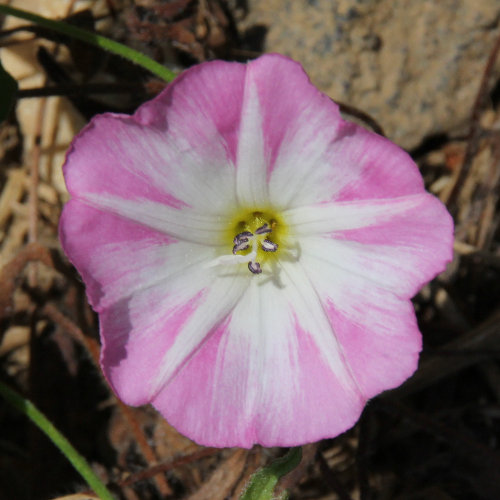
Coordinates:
251 255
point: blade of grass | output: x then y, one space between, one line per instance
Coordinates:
40 420
93 39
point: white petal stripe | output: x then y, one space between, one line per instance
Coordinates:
218 303
338 216
251 170
148 264
184 224
312 317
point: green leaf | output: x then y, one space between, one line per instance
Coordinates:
8 93
264 481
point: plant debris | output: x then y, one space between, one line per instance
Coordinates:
435 437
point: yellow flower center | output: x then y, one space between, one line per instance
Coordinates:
257 234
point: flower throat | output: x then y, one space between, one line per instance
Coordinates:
253 241
255 237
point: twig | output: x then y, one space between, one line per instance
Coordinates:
335 485
487 195
483 337
75 90
462 442
224 478
178 462
93 348
66 324
33 186
8 275
474 134
357 113
470 250
146 450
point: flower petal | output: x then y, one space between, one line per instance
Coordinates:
347 163
369 166
377 330
297 127
398 244
184 224
154 333
200 106
117 257
147 288
188 131
230 358
251 181
313 155
338 216
272 374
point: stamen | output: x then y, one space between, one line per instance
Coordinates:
269 246
263 229
242 245
247 244
254 267
241 237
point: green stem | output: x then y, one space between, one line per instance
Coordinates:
93 39
263 482
40 420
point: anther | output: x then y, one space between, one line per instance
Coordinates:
242 245
269 246
254 267
242 237
263 229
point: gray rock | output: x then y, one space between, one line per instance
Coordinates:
414 65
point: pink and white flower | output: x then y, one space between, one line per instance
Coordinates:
251 255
